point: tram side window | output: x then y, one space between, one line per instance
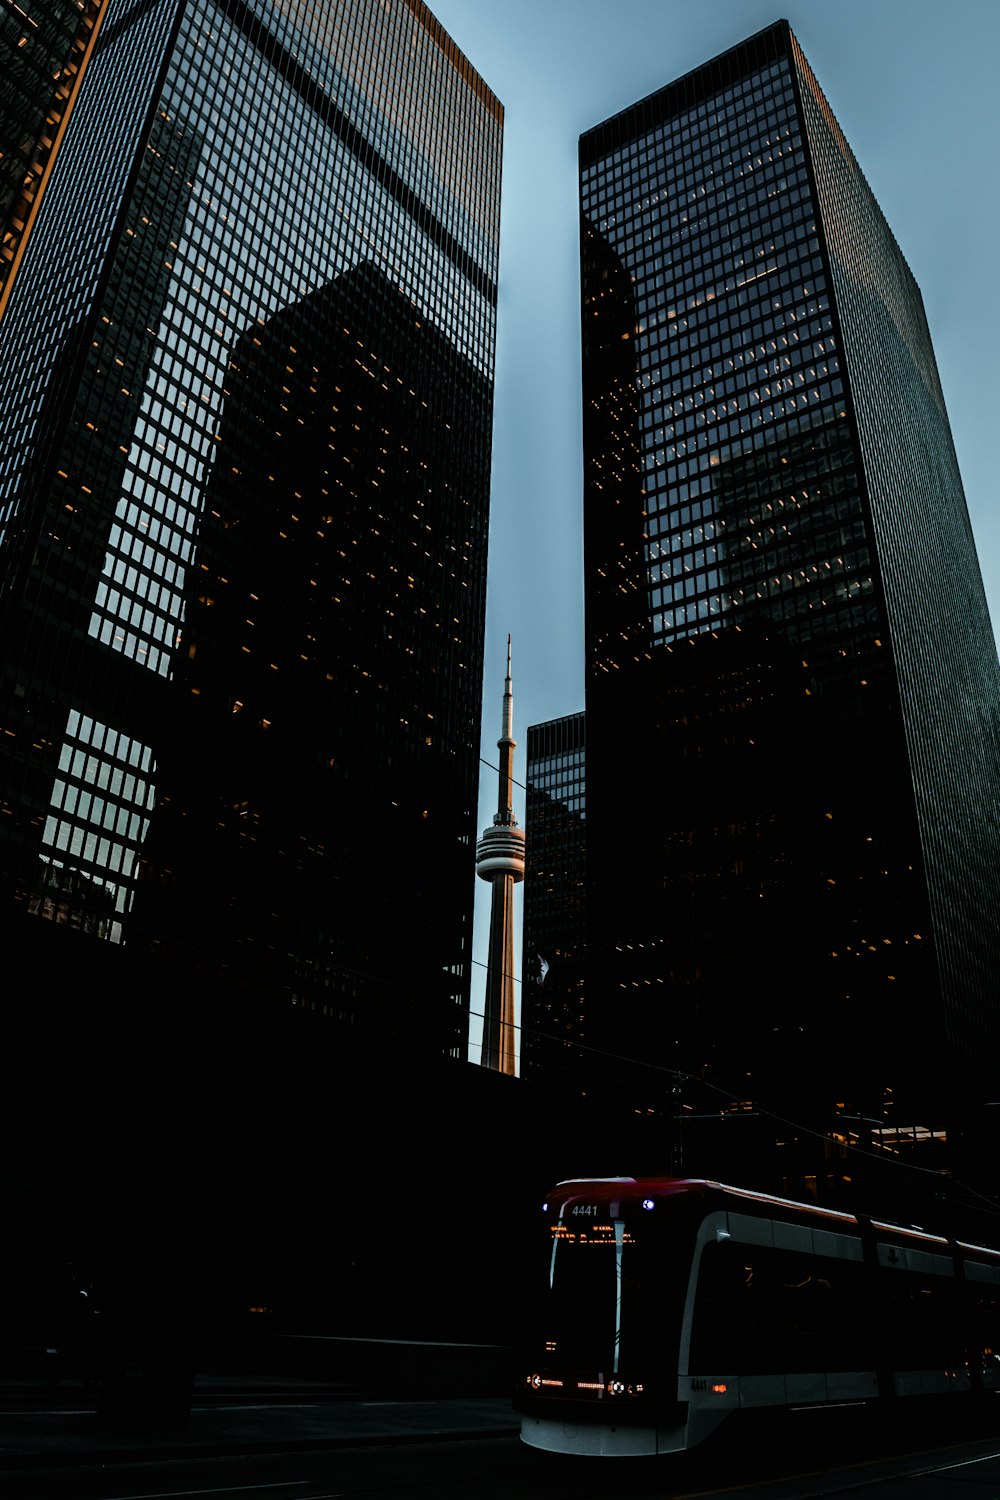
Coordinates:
921 1320
760 1310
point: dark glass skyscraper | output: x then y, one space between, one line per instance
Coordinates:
45 47
246 407
792 686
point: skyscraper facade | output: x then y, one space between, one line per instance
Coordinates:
44 51
553 985
792 685
246 408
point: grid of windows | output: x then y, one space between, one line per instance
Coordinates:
560 778
790 665
934 601
94 831
246 476
710 217
44 50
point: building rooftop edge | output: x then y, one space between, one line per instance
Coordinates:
536 729
456 57
685 86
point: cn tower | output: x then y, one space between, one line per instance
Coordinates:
500 859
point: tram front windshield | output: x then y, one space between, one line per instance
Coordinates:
607 1304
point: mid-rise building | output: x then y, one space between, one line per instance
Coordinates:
792 684
246 409
553 985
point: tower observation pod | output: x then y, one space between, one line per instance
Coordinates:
500 859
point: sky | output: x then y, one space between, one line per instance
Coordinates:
913 84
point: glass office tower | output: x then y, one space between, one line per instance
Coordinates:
792 687
45 47
246 405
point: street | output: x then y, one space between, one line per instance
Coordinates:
398 1452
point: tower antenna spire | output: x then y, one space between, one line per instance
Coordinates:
500 860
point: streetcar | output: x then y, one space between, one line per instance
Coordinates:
669 1304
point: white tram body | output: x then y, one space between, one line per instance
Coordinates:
671 1303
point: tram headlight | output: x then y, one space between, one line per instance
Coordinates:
535 1381
616 1387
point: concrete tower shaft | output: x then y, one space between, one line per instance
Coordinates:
500 859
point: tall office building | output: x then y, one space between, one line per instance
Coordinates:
553 985
792 685
246 407
45 47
